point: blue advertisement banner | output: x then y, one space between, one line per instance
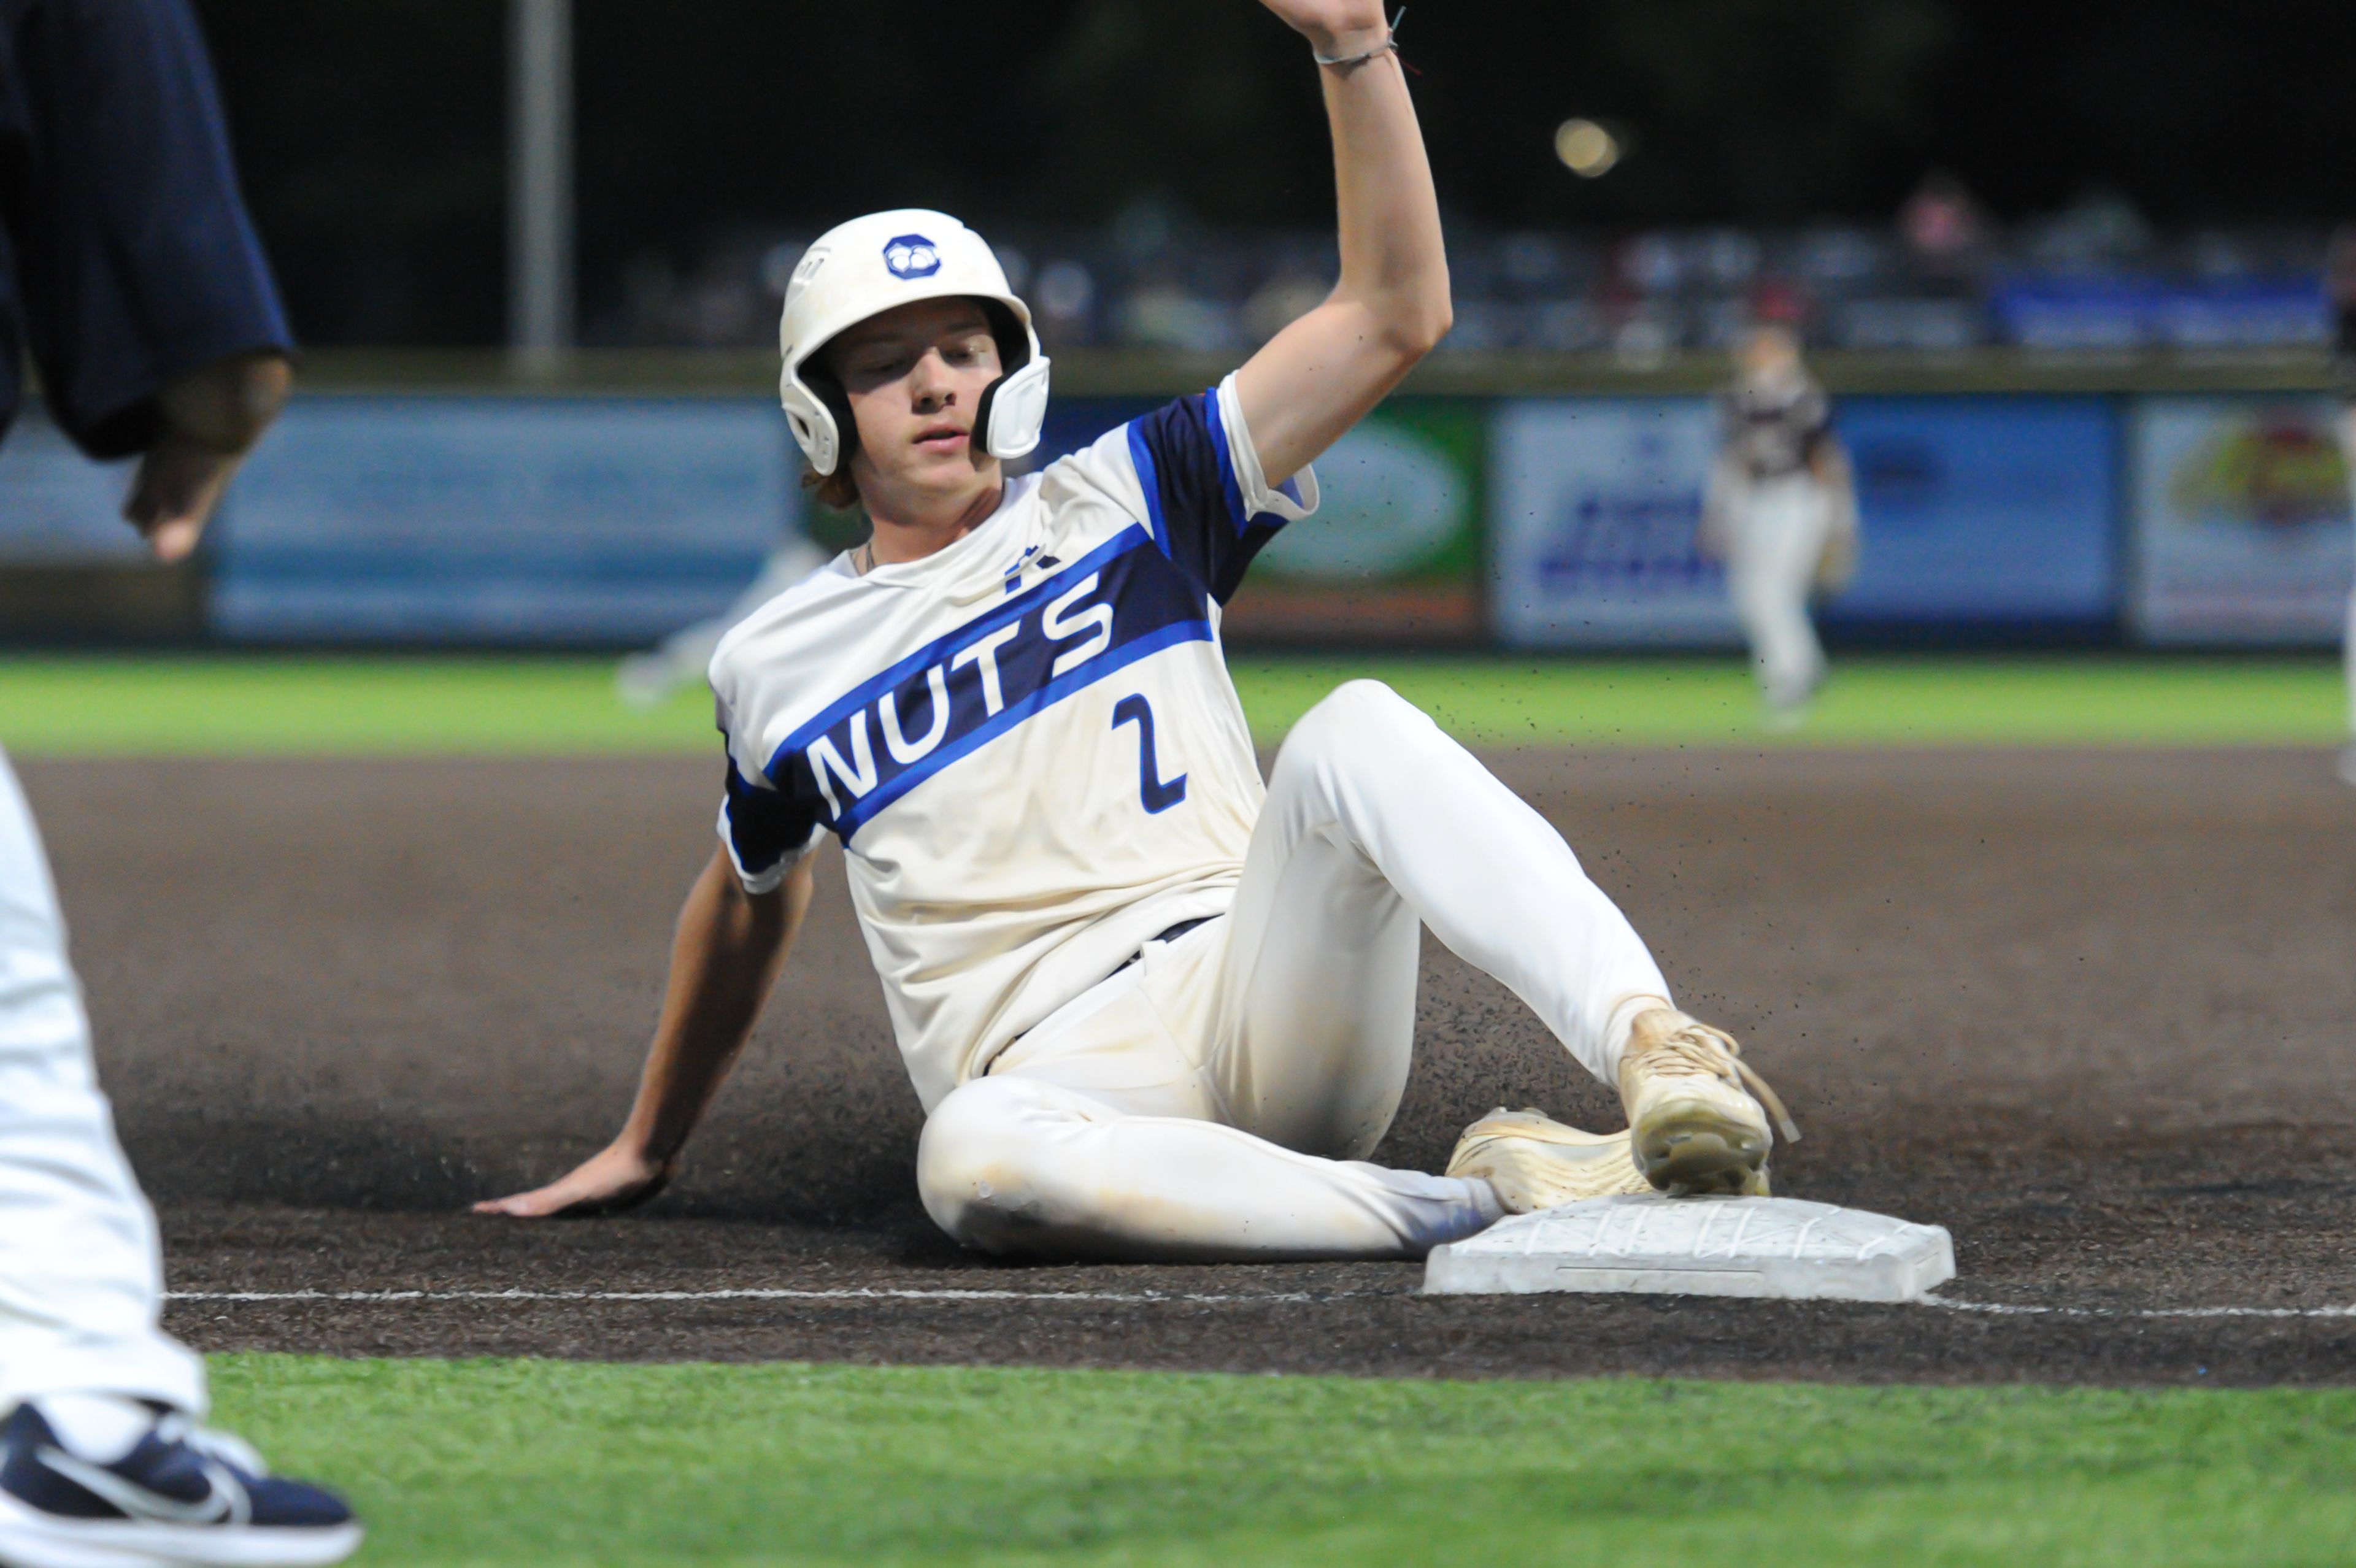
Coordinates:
1976 512
1981 511
56 506
501 519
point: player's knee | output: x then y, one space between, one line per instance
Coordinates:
1356 717
977 1163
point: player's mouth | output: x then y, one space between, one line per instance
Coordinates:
942 439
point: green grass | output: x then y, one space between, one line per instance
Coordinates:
53 705
541 1462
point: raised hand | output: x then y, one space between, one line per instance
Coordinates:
1335 26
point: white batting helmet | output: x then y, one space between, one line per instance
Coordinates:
867 266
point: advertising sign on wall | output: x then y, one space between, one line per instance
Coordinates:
497 520
1976 512
56 506
1981 511
2241 521
1393 553
1594 505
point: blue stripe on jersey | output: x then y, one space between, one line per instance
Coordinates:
1187 467
1141 456
763 825
1229 485
1115 607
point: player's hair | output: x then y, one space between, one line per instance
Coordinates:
837 489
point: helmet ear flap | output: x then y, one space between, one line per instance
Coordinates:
1013 408
820 414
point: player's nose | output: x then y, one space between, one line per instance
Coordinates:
931 383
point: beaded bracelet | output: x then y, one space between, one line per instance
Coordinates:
1350 62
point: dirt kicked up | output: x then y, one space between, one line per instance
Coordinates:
2095 1012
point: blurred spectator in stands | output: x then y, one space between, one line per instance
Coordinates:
2339 278
1067 303
1946 232
1287 295
1780 511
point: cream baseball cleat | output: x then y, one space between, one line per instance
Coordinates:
1695 1121
1535 1162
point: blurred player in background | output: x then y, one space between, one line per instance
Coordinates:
1156 1009
133 276
1780 513
2341 277
648 680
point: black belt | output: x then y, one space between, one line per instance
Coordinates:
1172 934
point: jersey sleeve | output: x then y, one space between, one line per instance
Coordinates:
135 256
767 833
1210 507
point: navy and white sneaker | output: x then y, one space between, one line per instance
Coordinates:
182 1496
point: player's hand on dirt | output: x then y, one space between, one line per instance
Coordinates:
616 1178
1335 26
211 418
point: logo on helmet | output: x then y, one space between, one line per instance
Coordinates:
911 256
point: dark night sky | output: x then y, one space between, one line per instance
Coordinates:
371 130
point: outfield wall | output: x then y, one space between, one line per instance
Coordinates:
1565 522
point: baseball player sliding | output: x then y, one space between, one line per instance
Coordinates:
1780 513
1154 1009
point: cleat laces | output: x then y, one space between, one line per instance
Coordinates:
1697 1051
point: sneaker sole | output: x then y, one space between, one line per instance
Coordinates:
31 1539
1698 1153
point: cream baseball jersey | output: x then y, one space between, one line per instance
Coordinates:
1027 742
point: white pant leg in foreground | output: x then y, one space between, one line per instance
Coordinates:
1215 1100
1778 542
2347 661
80 1274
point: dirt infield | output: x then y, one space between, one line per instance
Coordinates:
2093 1012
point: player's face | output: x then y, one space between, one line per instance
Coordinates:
915 377
1771 352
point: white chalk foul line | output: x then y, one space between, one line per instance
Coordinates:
1116 1297
2009 1309
1141 1298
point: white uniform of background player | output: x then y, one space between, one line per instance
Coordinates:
1780 513
1154 1009
648 680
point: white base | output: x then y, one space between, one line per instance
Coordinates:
1777 1247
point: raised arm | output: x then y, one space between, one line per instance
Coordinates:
723 960
1323 373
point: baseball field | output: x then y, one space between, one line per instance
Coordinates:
2057 952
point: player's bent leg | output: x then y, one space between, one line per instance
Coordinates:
1366 789
1020 1167
1367 774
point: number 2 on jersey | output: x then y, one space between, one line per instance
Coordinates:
1153 792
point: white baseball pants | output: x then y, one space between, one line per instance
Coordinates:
80 1273
1216 1099
1780 530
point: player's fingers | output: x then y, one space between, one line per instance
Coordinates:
175 538
522 1206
